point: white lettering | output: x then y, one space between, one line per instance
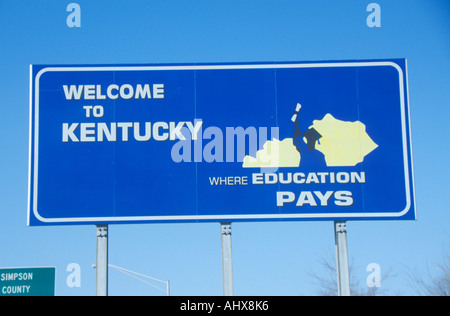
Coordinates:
306 197
17 289
88 109
147 135
285 197
68 132
109 92
99 94
158 91
111 134
194 129
175 131
89 92
343 177
312 177
156 135
87 132
126 95
73 92
125 126
98 111
92 132
113 92
324 197
270 178
258 178
143 93
358 177
299 178
343 198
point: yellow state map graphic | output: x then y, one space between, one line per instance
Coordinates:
342 143
275 154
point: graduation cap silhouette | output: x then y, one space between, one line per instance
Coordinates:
311 135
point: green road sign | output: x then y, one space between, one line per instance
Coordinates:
27 281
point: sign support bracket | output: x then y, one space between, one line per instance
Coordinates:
227 264
342 267
102 260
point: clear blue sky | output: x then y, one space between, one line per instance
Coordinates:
269 258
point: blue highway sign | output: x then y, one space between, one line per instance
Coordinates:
220 142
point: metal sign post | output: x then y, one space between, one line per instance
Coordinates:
102 260
343 272
227 264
